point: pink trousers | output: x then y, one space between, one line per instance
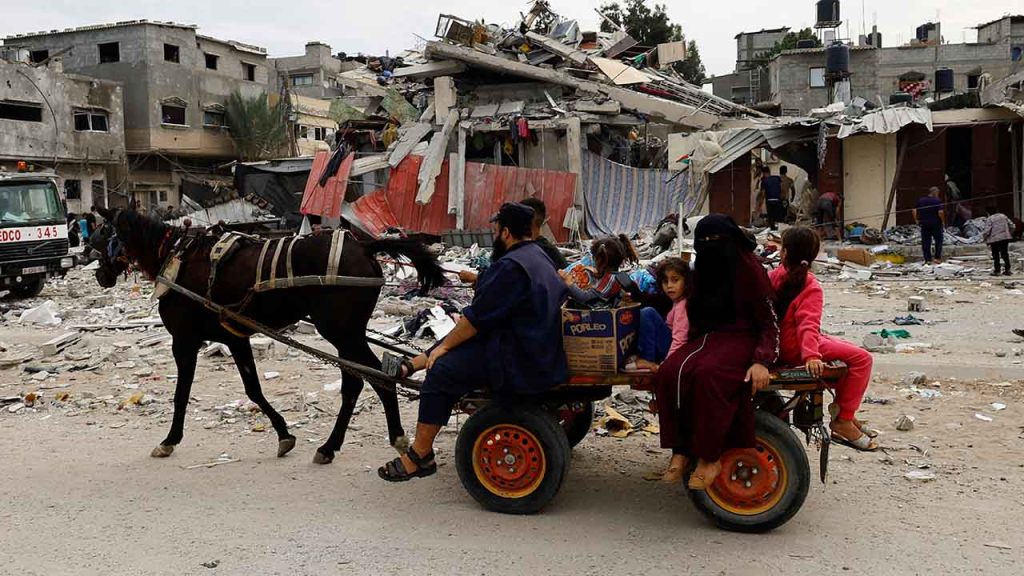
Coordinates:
850 390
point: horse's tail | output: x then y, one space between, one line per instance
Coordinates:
427 267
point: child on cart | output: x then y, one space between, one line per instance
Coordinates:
660 337
799 301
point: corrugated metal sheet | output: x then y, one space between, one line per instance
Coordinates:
887 121
487 187
736 143
326 200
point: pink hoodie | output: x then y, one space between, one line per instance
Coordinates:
678 321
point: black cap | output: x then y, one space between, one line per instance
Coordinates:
516 217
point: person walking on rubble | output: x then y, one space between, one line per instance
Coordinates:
508 340
998 233
930 215
771 192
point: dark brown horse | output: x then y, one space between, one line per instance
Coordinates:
339 313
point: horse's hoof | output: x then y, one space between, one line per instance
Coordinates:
401 445
285 446
321 458
162 451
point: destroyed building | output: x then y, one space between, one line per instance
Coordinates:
66 123
175 84
314 74
483 114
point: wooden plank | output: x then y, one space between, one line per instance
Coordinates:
58 344
432 162
431 69
368 164
557 48
619 73
670 52
457 180
407 142
573 143
895 182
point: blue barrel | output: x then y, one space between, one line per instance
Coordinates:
944 80
837 60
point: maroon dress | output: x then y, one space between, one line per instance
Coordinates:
704 405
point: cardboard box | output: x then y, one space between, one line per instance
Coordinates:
600 341
856 255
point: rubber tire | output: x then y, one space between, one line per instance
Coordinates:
29 289
799 470
578 427
538 421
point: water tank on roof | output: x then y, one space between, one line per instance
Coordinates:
803 44
944 80
837 60
901 98
828 13
924 30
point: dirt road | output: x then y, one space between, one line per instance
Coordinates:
79 493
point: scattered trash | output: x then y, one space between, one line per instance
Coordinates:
998 545
998 406
982 417
909 320
905 423
919 476
45 315
211 564
333 386
614 424
915 379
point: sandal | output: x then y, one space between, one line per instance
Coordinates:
397 366
700 483
863 444
394 471
868 431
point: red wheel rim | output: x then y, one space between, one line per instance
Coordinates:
509 461
752 481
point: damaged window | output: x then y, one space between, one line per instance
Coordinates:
249 72
301 132
214 119
172 53
302 80
88 121
73 189
110 52
211 61
37 56
21 111
817 77
173 115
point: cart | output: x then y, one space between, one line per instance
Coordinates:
513 456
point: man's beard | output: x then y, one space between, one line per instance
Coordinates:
499 249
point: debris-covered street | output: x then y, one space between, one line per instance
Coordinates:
81 490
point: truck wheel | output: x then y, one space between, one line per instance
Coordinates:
576 419
759 488
512 459
30 288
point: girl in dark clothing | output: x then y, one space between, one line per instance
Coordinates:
704 389
601 284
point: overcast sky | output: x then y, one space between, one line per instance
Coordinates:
373 26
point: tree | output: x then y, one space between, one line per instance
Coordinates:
258 128
650 27
691 68
790 42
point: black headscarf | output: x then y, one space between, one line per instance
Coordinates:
719 243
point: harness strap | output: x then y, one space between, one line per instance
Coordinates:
219 251
259 262
277 256
288 259
334 258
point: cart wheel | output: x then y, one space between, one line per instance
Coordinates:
759 488
576 419
512 459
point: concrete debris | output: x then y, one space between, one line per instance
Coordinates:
905 423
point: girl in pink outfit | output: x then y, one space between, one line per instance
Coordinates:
659 338
799 301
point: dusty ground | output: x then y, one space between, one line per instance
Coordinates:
79 493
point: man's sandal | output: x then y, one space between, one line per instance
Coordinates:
395 471
700 483
397 366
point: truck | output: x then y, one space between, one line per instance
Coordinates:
33 233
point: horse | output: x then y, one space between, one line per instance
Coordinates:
339 313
